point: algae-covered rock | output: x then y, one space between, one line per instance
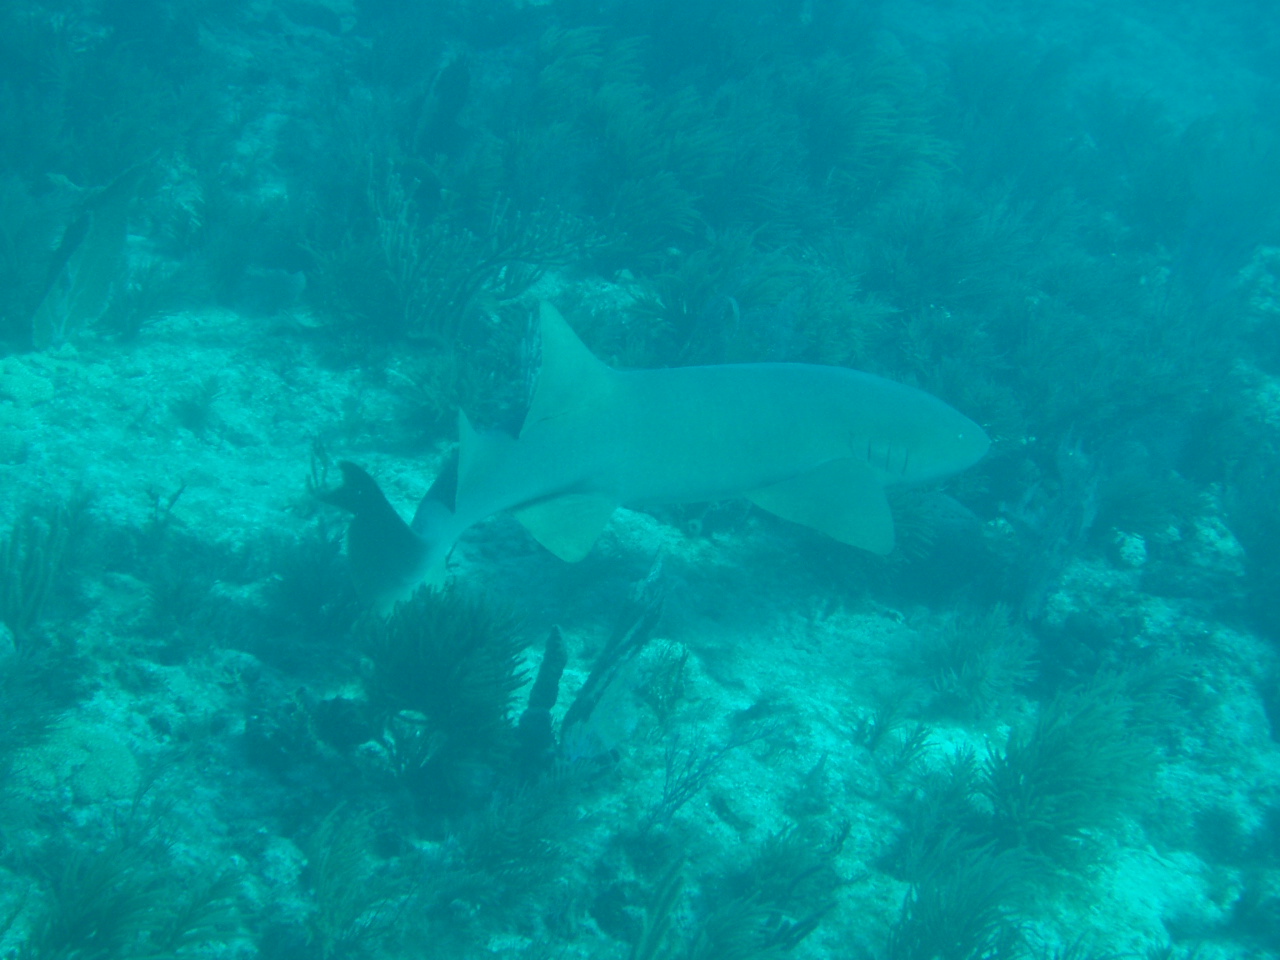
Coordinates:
89 760
22 384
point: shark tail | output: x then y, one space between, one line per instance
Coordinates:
389 559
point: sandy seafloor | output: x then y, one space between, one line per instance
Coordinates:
764 610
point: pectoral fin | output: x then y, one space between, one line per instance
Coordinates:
841 499
568 526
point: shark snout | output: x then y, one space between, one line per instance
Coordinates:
970 444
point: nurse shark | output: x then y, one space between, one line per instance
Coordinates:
816 445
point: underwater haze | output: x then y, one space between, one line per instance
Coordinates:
977 661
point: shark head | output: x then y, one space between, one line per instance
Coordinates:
955 443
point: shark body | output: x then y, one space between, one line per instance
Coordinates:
813 444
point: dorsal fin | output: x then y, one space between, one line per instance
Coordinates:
480 455
571 378
467 436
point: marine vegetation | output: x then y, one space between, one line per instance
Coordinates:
444 672
972 663
229 227
355 905
418 268
940 815
682 315
687 769
501 859
761 910
962 907
85 111
31 561
1079 766
36 688
28 227
85 267
124 902
311 595
638 161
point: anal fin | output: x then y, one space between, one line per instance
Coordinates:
841 498
569 525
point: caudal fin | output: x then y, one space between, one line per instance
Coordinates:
388 560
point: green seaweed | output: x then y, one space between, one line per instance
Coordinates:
355 907
422 267
194 408
1254 517
122 902
659 915
974 663
938 815
32 559
1074 771
445 670
960 909
759 912
700 309
687 769
643 159
866 128
504 854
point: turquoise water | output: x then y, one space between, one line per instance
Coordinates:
244 242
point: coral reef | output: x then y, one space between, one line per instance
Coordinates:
237 238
